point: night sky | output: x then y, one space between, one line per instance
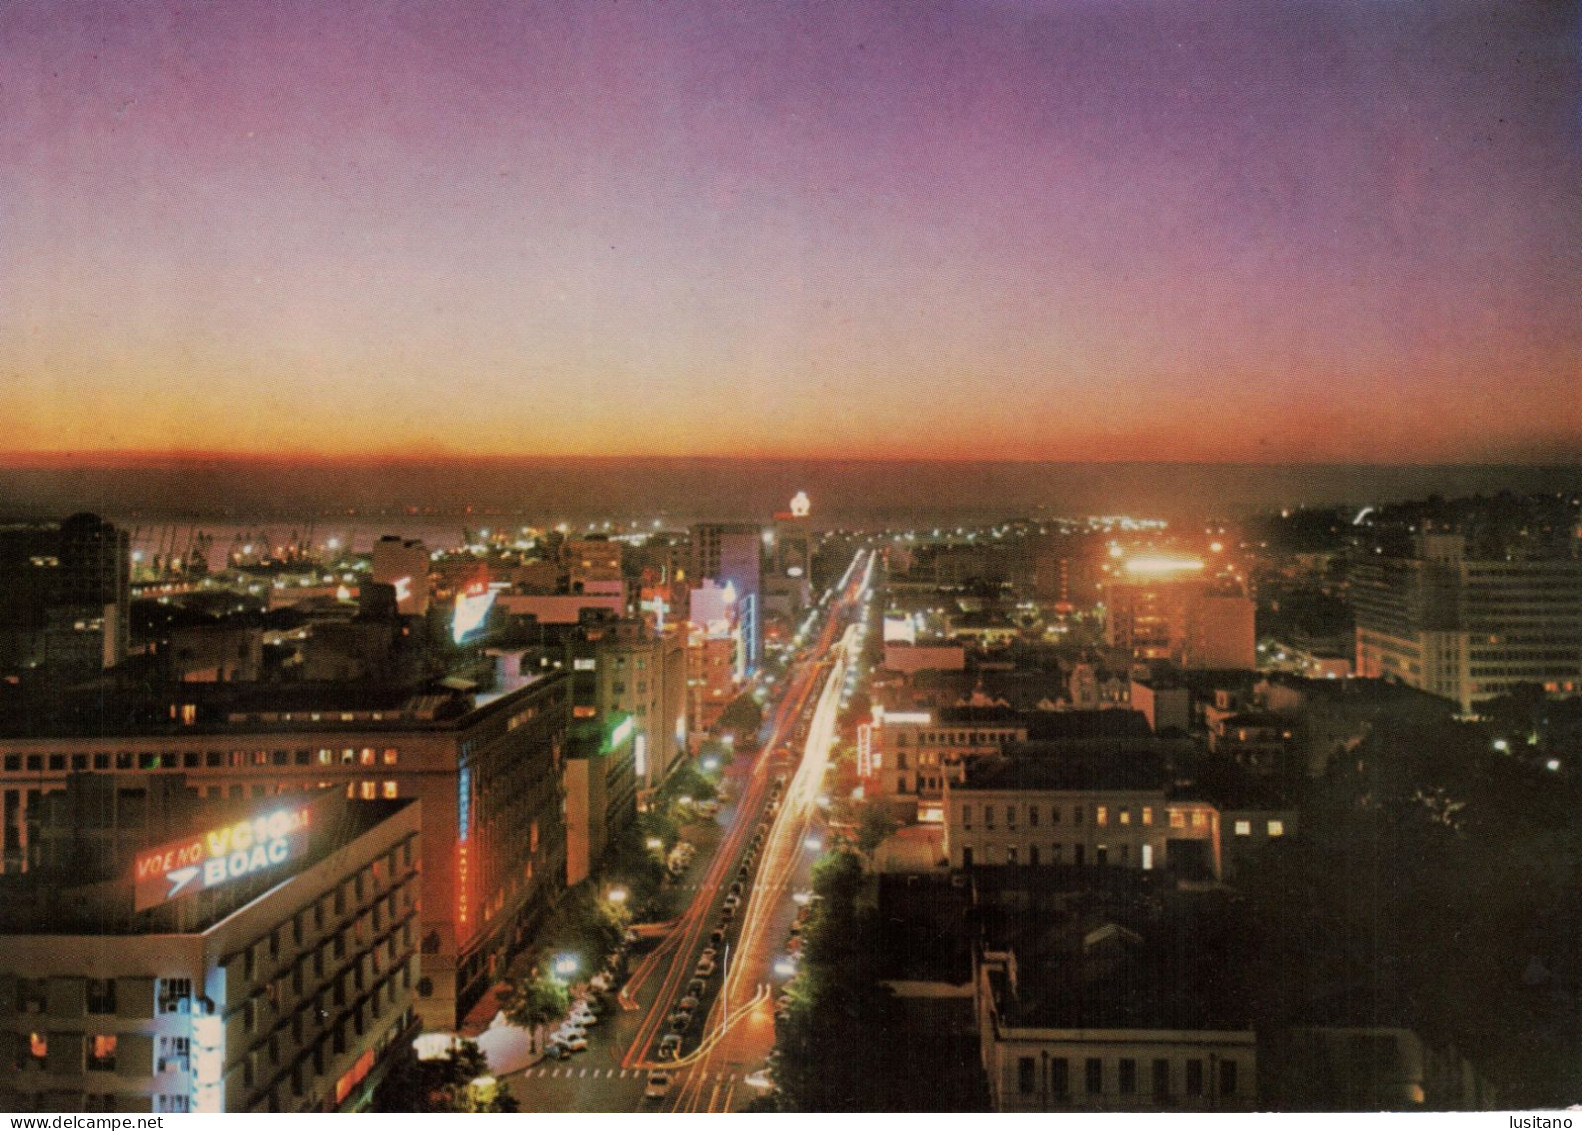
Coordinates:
1239 230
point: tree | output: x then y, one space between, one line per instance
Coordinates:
743 716
459 1081
537 1000
874 824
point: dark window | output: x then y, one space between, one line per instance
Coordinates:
1032 816
1093 1075
13 763
101 995
1194 1077
35 763
57 762
101 761
213 759
79 762
966 857
1128 1077
1032 855
1161 1079
1026 1075
1059 1076
189 760
123 760
1227 1077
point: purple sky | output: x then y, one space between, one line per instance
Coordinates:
1068 230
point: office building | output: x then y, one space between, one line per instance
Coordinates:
489 777
733 553
404 564
1469 629
65 592
190 956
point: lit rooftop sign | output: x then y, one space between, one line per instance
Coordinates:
472 609
1159 566
218 856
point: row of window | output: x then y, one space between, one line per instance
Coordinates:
1123 814
1056 1077
194 759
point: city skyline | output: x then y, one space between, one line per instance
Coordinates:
1265 233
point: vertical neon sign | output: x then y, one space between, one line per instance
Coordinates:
463 835
865 751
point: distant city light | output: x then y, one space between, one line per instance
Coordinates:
1160 566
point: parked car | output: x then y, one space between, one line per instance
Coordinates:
658 1086
670 1046
577 1044
688 1003
695 987
556 1050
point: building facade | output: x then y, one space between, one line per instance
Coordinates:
288 994
490 779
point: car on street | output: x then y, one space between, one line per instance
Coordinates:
736 888
709 953
658 1086
695 987
670 1046
733 901
760 1079
705 970
576 1044
717 935
684 1015
688 1003
556 1050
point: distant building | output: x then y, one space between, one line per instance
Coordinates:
65 593
1220 633
1368 1068
404 564
733 552
909 658
1165 706
912 752
788 571
1466 629
284 982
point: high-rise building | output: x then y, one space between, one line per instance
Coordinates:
788 572
489 777
403 563
64 596
174 955
733 552
1469 629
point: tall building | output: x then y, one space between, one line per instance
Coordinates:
1469 629
64 597
788 571
489 778
403 563
628 730
733 552
173 955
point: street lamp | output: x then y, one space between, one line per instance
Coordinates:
813 843
566 965
655 843
616 895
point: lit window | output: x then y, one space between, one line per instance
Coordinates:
1101 814
1148 815
390 789
1177 819
1243 828
101 1055
390 756
37 1046
326 757
367 758
1276 828
1126 816
1199 818
370 790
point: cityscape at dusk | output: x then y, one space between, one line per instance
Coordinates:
702 557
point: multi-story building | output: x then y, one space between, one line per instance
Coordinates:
628 729
489 776
788 572
64 596
733 553
912 752
1469 629
1185 621
1037 807
1094 1046
199 973
404 564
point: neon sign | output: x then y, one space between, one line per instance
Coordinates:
463 835
472 608
622 732
865 751
231 852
